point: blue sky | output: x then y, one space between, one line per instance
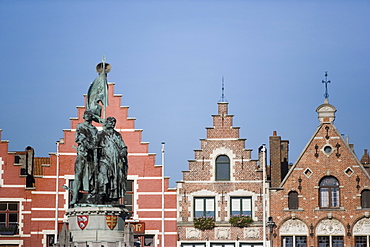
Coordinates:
168 59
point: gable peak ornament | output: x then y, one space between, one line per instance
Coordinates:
326 111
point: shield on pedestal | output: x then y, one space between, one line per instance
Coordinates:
82 221
111 221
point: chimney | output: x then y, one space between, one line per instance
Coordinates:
279 150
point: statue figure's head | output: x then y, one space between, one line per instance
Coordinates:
110 123
88 115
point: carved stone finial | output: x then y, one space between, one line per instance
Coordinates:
326 112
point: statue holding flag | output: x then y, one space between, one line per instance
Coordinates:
98 92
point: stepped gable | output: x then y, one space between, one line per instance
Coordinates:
137 150
222 181
222 138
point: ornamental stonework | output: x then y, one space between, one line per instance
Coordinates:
293 227
330 227
251 233
222 233
193 233
362 227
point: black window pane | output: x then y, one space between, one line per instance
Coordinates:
13 206
13 218
360 241
129 185
128 199
2 218
3 206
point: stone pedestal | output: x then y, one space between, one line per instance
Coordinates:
99 225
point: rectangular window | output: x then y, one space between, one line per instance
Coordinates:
204 207
193 245
251 245
50 240
70 185
222 245
143 240
9 217
323 241
129 195
294 241
360 241
241 206
337 241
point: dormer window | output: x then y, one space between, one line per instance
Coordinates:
222 168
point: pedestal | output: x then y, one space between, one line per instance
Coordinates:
99 225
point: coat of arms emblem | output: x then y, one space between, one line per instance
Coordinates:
111 221
82 221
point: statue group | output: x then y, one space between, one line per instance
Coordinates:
101 163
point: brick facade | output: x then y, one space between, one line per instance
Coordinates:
37 211
330 183
202 182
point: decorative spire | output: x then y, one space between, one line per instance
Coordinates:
223 91
326 95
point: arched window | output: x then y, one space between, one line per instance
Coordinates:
329 192
365 199
293 200
222 168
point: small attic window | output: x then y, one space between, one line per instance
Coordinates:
307 172
328 149
348 171
17 159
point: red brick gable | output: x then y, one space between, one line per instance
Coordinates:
326 155
334 163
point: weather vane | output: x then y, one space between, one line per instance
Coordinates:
223 91
326 95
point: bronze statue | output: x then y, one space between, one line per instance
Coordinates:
84 165
112 159
101 163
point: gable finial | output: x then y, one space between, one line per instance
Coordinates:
223 91
326 95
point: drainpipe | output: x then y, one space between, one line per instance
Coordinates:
56 194
263 150
162 242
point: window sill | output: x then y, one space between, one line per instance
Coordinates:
329 209
293 210
362 209
8 234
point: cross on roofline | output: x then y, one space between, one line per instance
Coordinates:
326 94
